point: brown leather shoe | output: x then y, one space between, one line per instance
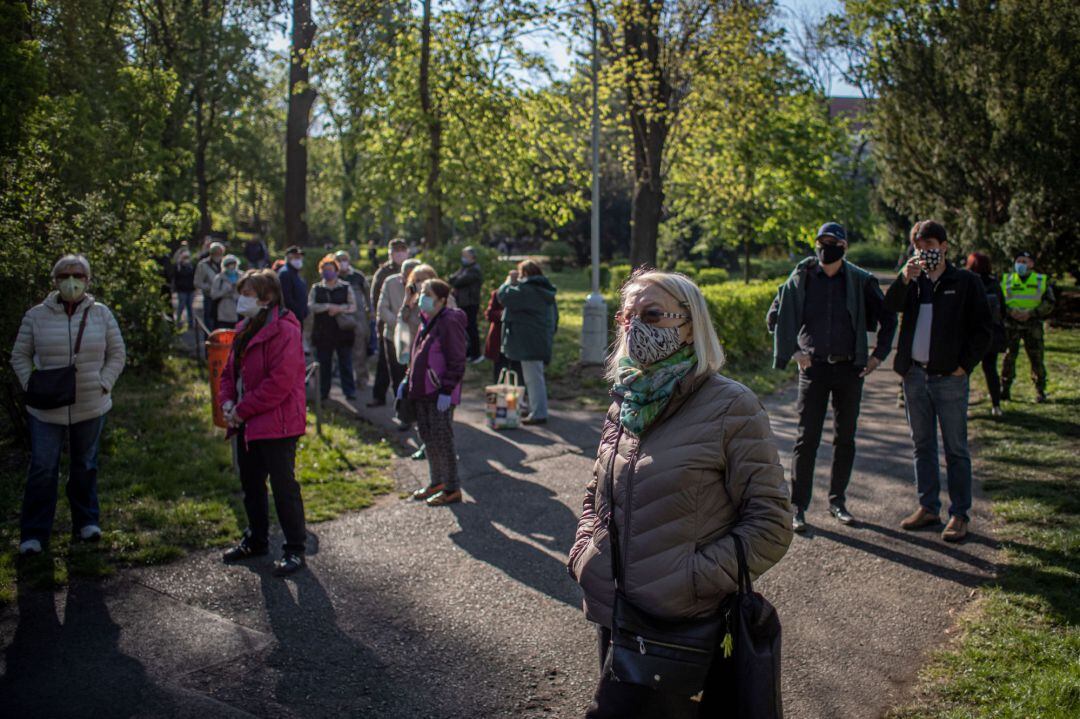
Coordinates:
422 495
443 498
920 518
955 530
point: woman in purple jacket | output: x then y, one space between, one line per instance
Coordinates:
436 367
262 396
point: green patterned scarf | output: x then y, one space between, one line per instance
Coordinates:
646 391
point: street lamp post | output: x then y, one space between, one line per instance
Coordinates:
594 334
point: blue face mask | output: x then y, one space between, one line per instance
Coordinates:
1021 268
465 261
427 304
233 275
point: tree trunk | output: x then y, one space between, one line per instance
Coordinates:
433 192
206 223
349 225
301 99
648 103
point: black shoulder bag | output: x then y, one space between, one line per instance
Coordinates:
671 656
746 684
55 388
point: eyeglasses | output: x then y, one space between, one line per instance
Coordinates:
650 316
71 276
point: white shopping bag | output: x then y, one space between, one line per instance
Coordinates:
504 401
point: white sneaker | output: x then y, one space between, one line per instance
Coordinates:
90 533
996 412
478 360
30 547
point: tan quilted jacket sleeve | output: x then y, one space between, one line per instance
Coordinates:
755 483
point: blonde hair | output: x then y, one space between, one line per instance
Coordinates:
710 355
421 273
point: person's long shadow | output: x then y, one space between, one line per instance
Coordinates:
521 528
73 669
321 671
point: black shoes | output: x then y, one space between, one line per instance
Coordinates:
798 522
1006 395
289 564
243 550
842 515
376 403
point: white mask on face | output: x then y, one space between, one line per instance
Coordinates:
248 306
344 265
399 257
297 262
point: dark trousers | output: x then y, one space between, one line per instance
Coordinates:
209 312
273 458
345 369
388 372
43 478
505 362
993 380
619 700
437 433
472 331
817 384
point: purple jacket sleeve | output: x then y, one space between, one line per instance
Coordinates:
283 374
453 341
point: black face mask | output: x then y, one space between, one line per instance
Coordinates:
828 254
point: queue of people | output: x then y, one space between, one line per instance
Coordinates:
712 504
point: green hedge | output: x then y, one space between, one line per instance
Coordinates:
873 255
712 276
738 313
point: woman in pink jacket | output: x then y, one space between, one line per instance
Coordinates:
262 395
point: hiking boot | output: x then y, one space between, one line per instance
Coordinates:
956 530
1040 398
996 411
920 518
244 550
290 563
443 498
798 522
1006 395
842 515
422 495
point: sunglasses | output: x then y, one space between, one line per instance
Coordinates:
650 316
71 276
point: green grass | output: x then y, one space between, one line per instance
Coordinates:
1018 651
167 485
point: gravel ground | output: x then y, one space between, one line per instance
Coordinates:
408 611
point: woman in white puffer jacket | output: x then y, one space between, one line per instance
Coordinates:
47 340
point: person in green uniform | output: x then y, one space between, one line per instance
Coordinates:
1029 299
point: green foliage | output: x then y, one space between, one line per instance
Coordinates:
874 255
686 268
712 276
559 255
446 259
167 484
738 314
974 116
620 273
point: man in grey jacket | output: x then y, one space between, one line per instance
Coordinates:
208 268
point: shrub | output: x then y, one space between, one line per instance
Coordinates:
618 275
446 260
738 313
873 255
605 276
559 255
712 276
687 268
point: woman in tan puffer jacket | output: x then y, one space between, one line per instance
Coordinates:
694 461
47 339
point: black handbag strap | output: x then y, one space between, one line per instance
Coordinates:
613 532
82 328
745 585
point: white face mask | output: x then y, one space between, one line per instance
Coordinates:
296 262
344 265
248 306
399 257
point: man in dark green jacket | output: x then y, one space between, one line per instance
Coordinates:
820 317
530 319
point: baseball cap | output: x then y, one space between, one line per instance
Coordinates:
1024 253
294 250
832 229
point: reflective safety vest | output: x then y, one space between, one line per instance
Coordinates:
1023 293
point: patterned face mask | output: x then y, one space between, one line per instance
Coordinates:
648 344
930 258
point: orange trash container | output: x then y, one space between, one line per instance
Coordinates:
218 346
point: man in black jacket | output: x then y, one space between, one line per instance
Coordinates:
467 283
945 331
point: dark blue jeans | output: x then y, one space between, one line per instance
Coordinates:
39 500
932 401
326 370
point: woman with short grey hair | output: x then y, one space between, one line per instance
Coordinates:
68 329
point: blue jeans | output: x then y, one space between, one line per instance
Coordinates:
185 303
535 386
326 370
39 500
932 401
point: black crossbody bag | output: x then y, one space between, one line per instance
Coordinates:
55 388
672 656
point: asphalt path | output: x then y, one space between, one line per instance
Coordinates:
467 611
